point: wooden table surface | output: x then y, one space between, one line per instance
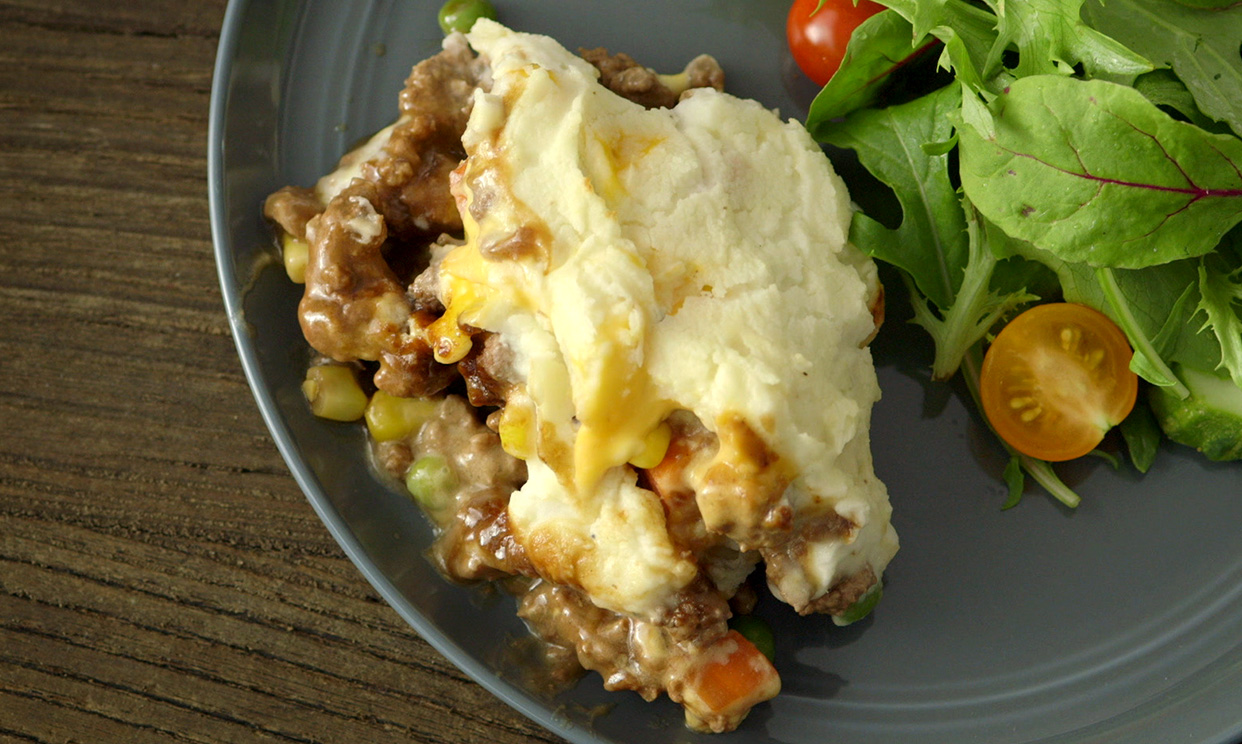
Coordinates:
162 578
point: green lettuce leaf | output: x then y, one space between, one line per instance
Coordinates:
1199 43
1074 155
939 244
1093 172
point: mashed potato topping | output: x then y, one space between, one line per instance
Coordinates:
636 263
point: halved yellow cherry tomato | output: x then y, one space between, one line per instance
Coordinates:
1056 379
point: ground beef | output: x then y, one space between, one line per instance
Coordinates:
486 371
746 490
741 492
353 306
644 86
411 169
647 655
478 543
844 593
424 289
425 145
474 541
629 653
291 208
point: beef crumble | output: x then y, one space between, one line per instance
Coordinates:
621 74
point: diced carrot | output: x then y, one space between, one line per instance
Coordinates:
733 677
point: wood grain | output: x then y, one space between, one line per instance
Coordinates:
161 576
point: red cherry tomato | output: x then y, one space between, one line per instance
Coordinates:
1055 379
817 38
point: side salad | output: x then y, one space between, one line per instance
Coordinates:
1061 151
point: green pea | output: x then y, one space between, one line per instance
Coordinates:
460 15
862 606
431 482
758 632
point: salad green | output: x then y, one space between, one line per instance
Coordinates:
1062 149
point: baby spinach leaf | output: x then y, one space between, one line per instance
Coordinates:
880 46
1142 437
1093 172
1210 4
1165 343
1167 91
1165 299
930 243
1199 43
1075 155
1015 481
923 15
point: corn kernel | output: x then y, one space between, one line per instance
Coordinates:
449 343
390 417
295 253
515 432
655 446
334 393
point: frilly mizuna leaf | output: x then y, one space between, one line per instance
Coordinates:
1222 297
1051 38
1093 172
967 32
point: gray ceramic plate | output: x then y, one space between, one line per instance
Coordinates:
1118 622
